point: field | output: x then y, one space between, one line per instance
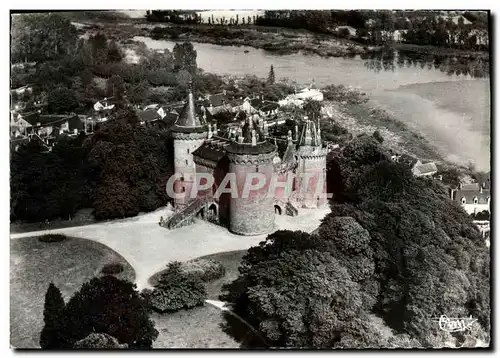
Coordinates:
201 327
34 264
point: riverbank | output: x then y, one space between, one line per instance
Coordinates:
277 40
441 51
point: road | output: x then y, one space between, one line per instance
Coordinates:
149 248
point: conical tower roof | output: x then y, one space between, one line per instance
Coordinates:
309 135
289 155
188 121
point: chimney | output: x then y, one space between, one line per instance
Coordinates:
481 188
254 140
296 132
209 131
215 128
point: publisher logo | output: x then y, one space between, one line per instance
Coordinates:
456 324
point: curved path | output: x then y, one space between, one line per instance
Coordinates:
149 247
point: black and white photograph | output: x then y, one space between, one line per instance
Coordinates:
294 179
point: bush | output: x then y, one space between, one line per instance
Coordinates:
112 269
52 238
111 306
99 341
176 290
205 269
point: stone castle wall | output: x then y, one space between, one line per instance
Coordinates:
253 215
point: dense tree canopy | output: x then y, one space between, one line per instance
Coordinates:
404 249
110 306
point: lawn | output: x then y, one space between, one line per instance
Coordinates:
200 327
34 264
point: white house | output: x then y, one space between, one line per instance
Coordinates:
474 198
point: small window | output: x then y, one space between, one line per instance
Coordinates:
257 169
186 162
182 178
188 151
463 201
183 190
475 200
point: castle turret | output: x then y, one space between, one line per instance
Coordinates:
311 167
189 133
252 211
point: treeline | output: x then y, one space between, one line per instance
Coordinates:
394 247
191 17
120 170
84 71
377 27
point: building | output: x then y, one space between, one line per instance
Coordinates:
200 148
420 169
473 197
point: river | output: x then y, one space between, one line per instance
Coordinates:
450 108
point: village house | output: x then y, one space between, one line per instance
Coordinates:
473 197
420 169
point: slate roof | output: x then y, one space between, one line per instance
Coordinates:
148 115
269 106
315 140
469 196
188 120
425 168
217 100
213 149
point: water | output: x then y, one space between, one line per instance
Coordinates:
439 97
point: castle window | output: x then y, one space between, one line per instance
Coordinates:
463 200
475 200
188 151
186 162
257 169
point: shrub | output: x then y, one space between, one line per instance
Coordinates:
52 238
205 269
177 290
111 306
99 341
53 317
112 269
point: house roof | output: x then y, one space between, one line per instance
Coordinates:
148 115
269 106
469 195
425 168
217 100
256 102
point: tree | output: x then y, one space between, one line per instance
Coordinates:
114 52
99 341
62 100
312 108
53 317
271 77
185 57
296 298
115 87
110 306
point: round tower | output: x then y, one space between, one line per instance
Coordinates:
188 133
251 153
311 168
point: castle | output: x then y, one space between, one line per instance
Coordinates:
200 148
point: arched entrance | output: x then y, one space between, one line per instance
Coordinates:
213 213
201 214
277 209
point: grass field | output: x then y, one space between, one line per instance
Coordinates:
34 264
200 327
